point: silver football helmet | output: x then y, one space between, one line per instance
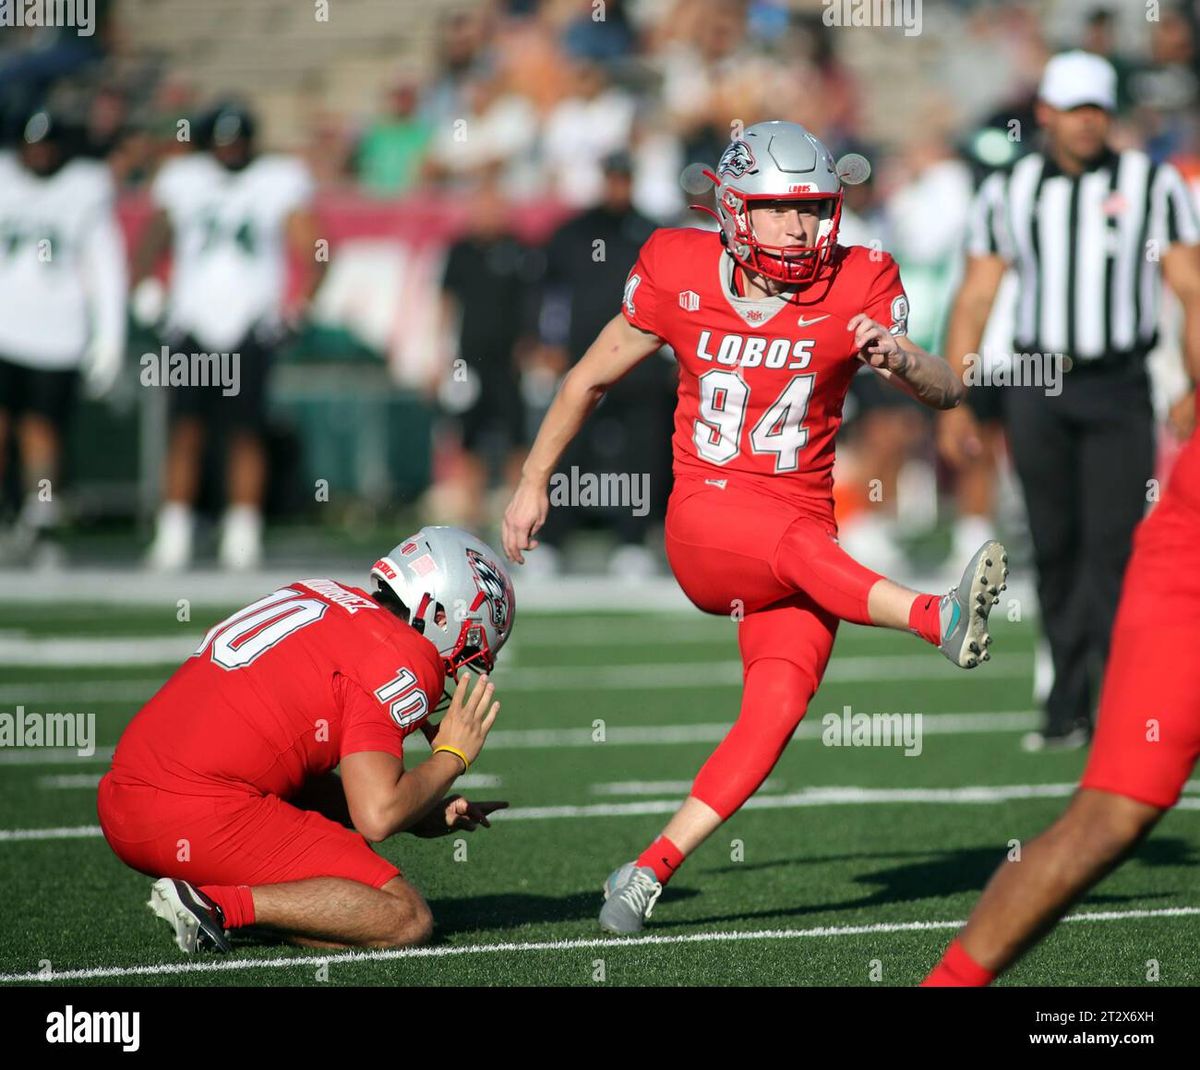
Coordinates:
456 592
774 161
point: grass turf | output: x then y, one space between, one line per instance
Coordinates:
835 883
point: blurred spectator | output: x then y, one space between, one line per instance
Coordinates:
496 134
594 121
1164 89
231 218
885 426
600 33
394 144
461 37
1099 37
45 56
62 310
485 307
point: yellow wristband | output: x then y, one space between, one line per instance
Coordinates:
457 754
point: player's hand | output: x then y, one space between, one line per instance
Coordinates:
958 437
462 815
877 345
1182 416
102 370
523 519
470 716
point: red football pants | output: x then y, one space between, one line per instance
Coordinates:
234 839
1148 728
777 568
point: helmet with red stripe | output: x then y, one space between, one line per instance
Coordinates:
454 589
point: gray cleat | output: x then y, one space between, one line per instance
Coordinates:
964 611
629 896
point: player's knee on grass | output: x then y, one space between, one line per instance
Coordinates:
411 919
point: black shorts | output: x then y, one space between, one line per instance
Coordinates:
225 391
870 392
45 392
495 424
987 402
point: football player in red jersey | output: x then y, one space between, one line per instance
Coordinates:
1145 748
768 321
223 785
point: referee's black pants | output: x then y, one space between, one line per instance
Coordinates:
1085 459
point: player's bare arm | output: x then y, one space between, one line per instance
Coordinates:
302 236
152 246
896 358
958 432
384 798
616 350
1181 269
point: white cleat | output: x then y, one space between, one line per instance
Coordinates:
964 611
196 919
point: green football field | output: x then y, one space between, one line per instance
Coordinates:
852 865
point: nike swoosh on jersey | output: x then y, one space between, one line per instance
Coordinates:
801 321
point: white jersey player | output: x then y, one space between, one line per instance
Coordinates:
231 218
62 305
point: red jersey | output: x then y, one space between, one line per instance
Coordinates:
280 692
761 379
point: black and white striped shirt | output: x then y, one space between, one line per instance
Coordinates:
1087 249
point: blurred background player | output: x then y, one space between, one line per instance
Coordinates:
233 220
587 261
62 312
486 298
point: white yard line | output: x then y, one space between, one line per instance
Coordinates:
169 651
234 964
808 797
660 787
615 735
209 587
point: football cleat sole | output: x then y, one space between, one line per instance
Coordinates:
187 912
966 640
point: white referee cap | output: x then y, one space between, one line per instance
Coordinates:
1072 79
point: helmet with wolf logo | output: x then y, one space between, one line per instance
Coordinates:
455 590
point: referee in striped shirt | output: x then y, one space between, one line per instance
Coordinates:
1090 232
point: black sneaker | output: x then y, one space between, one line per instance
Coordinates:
198 922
